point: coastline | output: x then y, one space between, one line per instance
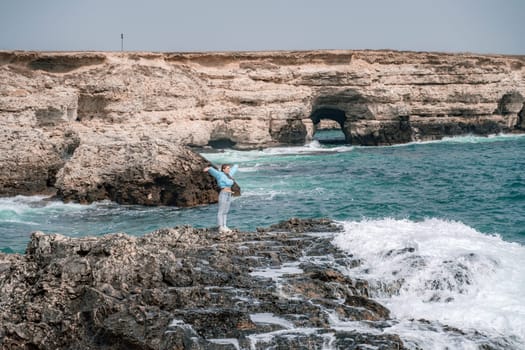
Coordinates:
63 112
126 128
289 285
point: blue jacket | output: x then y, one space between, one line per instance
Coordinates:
222 179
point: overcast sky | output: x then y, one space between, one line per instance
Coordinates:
480 26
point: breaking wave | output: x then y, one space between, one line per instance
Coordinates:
446 284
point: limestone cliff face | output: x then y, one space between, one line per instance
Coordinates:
257 99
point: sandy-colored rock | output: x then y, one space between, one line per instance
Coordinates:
254 98
250 99
30 159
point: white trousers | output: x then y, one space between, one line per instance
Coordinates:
225 199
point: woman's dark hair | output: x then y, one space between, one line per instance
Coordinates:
225 166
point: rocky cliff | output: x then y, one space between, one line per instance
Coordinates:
52 104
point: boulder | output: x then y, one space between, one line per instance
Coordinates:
142 172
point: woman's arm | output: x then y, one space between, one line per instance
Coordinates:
234 169
212 171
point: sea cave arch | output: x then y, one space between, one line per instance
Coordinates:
339 117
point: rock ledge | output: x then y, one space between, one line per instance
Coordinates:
187 288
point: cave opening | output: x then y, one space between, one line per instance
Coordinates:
222 143
329 126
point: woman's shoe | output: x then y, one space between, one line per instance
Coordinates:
224 229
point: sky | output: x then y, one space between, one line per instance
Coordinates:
477 26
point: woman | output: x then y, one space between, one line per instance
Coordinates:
225 182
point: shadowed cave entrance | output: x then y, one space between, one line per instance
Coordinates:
329 126
222 143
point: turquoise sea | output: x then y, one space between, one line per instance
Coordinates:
474 180
456 205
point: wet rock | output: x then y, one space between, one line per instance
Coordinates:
186 288
353 340
299 226
377 311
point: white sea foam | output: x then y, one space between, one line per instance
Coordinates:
444 272
21 204
309 148
175 323
226 341
268 318
21 209
358 326
234 156
480 139
37 210
268 337
17 205
464 139
275 274
314 147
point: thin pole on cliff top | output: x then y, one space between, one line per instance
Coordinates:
121 41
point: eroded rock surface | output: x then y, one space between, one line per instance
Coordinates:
259 99
186 288
31 158
146 173
240 99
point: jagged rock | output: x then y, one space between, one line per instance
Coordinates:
353 340
299 225
147 172
183 288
